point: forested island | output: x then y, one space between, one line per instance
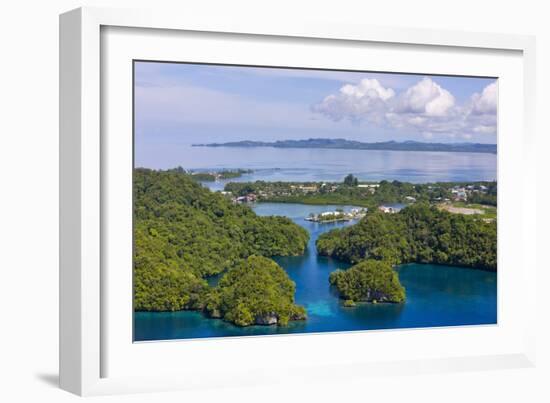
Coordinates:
419 233
368 281
184 233
341 143
256 291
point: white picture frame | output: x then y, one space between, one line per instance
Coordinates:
85 345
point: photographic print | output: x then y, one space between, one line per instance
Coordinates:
271 200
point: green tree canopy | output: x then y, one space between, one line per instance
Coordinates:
418 233
257 291
351 180
369 280
184 233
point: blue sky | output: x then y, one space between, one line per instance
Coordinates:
190 103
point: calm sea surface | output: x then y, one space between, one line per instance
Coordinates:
436 295
294 164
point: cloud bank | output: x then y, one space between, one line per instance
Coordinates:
425 107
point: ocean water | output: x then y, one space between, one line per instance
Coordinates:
294 164
436 295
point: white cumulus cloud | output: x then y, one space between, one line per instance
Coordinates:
486 102
369 88
481 112
365 100
425 107
427 98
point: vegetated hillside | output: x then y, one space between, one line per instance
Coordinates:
369 281
184 233
256 291
418 233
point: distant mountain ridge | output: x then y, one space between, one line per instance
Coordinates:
358 145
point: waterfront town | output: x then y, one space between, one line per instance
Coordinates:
476 198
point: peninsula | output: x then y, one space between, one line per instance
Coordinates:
211 176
